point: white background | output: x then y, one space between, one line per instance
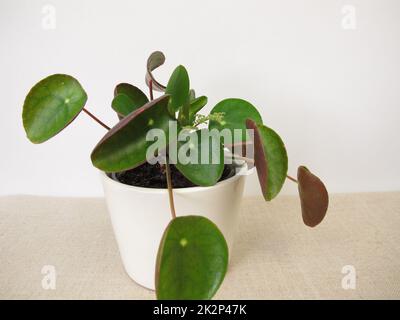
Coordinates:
332 94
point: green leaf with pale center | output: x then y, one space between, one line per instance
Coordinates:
178 88
192 260
236 112
271 159
204 163
124 146
51 105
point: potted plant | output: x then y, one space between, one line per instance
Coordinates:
162 149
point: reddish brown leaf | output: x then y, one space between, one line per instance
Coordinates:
260 158
155 60
313 197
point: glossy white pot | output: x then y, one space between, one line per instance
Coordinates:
140 215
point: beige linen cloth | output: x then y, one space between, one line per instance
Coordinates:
274 257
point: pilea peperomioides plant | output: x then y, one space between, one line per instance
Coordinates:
193 254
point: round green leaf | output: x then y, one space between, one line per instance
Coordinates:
51 105
178 88
155 60
314 197
236 112
206 155
192 260
122 105
124 146
270 159
128 98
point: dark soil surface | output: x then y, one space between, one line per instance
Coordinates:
153 176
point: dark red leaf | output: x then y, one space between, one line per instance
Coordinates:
313 197
260 158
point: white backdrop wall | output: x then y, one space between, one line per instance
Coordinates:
324 73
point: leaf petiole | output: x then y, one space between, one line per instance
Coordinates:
151 89
96 119
170 188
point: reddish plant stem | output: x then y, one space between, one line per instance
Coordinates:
237 144
96 119
170 190
151 89
248 160
292 179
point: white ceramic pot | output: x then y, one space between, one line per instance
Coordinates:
140 215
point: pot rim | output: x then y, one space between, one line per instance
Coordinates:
243 171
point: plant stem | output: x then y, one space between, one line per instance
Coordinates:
170 191
185 111
248 160
151 89
292 179
237 144
96 119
